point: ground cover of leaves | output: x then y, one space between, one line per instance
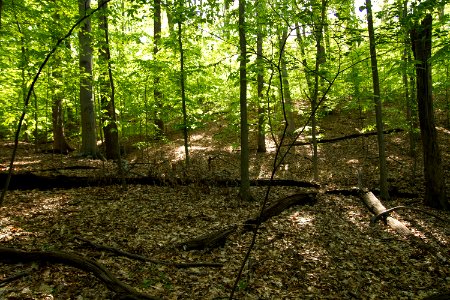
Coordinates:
324 251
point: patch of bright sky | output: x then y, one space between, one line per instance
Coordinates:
376 7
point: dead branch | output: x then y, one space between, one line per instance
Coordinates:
16 277
347 137
209 241
280 206
386 213
147 259
14 256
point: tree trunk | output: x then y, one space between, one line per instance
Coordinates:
286 91
434 176
300 36
60 144
260 82
182 83
110 130
403 8
320 58
378 110
244 190
159 123
88 130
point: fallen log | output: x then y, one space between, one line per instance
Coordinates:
218 238
123 291
347 137
208 241
278 207
377 208
147 259
29 181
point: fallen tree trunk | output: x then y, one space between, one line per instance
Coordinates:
29 181
123 291
377 208
348 137
218 238
278 207
209 240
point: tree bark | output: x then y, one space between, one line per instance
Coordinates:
244 190
378 110
182 83
434 174
110 130
260 82
320 59
157 94
60 144
286 90
88 128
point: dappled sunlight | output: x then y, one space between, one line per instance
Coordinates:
442 130
299 219
10 232
353 161
25 163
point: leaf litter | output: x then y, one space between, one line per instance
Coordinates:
324 251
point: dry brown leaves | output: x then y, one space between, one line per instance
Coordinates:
328 250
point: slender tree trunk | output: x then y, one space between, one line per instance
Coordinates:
320 59
434 174
110 130
447 96
244 191
88 128
1 11
159 123
300 36
286 90
183 91
260 82
384 192
60 144
403 8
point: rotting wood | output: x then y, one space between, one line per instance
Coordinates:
348 137
209 240
377 208
123 291
147 259
279 206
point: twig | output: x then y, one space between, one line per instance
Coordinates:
15 277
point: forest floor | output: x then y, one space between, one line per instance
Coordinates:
327 250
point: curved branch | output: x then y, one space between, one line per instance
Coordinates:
14 256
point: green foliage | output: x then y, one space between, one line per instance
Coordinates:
210 40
